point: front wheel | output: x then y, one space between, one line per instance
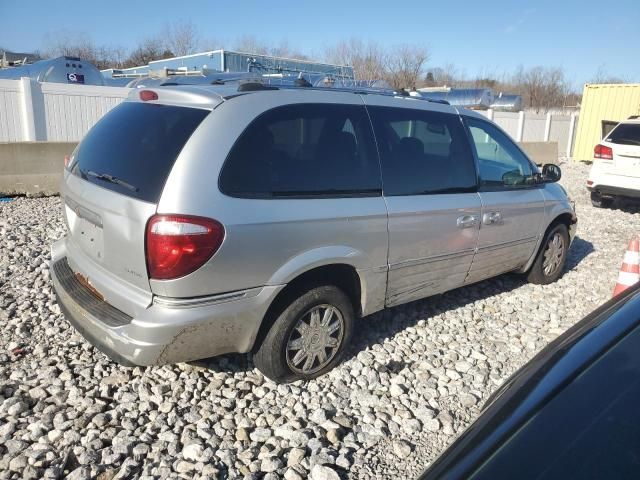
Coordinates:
551 258
308 338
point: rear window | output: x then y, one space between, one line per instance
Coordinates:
132 149
304 150
625 134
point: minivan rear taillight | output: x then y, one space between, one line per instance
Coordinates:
603 152
177 245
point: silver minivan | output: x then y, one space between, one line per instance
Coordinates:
204 220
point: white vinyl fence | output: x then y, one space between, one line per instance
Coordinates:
538 127
55 112
52 112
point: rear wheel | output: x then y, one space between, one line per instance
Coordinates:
551 258
599 201
309 337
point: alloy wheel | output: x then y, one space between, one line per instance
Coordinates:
553 254
315 339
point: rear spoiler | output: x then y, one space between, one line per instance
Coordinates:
193 96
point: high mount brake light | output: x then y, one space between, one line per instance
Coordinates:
146 95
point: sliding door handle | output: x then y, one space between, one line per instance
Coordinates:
492 218
467 221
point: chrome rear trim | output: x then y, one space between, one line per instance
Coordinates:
204 301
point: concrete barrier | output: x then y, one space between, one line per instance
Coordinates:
32 168
541 152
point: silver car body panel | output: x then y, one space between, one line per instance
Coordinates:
429 252
105 242
270 241
402 248
512 222
512 241
163 333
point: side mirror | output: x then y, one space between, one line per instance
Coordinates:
551 173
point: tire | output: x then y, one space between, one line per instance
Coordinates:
599 201
544 272
284 354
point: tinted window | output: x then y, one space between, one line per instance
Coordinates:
501 162
589 430
422 152
304 150
132 149
625 134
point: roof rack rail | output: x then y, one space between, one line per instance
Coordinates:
302 83
435 100
254 87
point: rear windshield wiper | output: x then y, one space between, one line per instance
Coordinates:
109 178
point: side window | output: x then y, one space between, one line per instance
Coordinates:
304 150
422 152
502 164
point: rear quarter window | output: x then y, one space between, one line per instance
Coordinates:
304 150
132 149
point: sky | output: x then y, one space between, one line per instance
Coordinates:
489 37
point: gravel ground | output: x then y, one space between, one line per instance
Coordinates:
415 378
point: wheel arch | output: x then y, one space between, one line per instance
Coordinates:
342 275
566 218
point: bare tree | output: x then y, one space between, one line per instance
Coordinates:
181 38
284 49
368 60
80 44
211 43
542 88
603 76
446 75
401 66
250 44
405 65
119 55
148 50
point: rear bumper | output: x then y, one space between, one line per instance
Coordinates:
604 182
614 191
169 330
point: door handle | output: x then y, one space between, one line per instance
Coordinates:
492 218
467 221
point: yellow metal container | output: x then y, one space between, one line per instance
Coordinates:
603 102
